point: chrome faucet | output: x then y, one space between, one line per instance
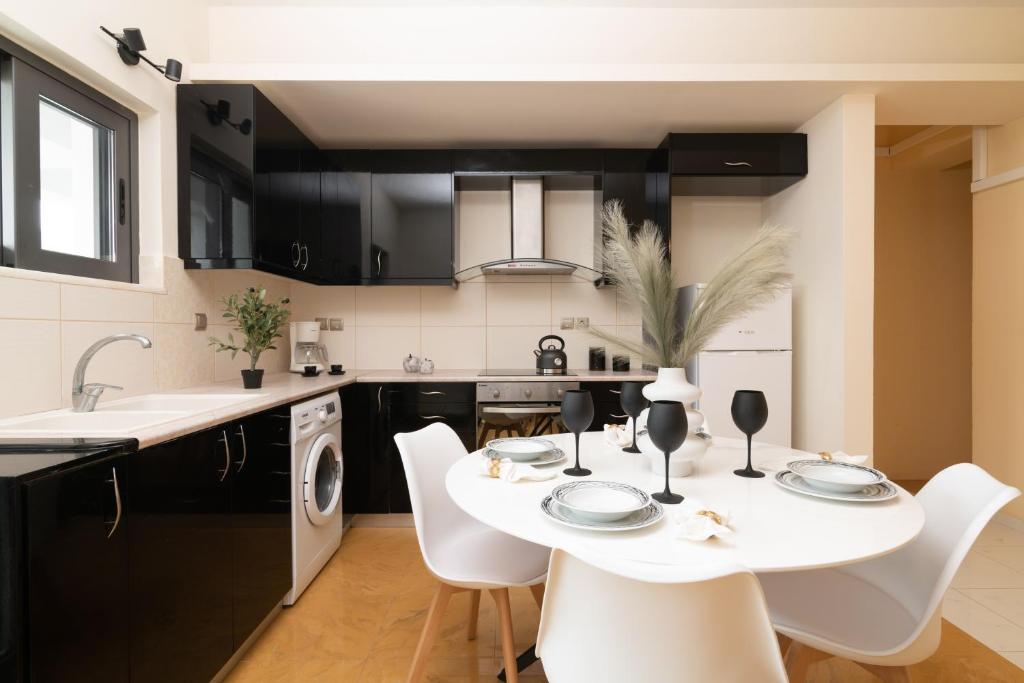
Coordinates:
84 396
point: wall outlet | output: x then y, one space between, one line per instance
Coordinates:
323 323
582 323
337 324
566 323
200 321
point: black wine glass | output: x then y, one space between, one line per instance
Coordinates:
633 403
577 416
667 427
749 412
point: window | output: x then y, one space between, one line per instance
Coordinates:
68 158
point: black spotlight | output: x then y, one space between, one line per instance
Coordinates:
131 45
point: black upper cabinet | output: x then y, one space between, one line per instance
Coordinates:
527 161
345 234
411 234
77 575
738 164
248 184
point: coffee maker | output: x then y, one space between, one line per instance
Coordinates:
306 346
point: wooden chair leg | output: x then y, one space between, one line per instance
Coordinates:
474 614
784 642
799 658
508 642
430 630
888 674
538 594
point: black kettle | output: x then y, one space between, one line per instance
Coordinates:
551 360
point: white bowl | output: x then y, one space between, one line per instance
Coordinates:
600 501
521 449
835 477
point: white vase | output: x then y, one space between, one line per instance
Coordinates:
673 385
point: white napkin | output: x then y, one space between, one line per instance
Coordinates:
516 471
619 435
840 456
691 525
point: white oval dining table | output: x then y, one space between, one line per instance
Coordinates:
774 529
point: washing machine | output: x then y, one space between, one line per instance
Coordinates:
316 488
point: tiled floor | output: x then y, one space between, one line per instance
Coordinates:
987 597
360 619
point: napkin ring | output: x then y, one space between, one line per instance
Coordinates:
710 514
826 456
494 468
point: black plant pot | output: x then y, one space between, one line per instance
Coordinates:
252 379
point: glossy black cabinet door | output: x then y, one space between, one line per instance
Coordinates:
356 448
261 518
345 233
411 227
77 575
735 164
180 558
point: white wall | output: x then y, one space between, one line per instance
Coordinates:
833 285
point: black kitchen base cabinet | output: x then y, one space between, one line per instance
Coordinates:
77 575
210 545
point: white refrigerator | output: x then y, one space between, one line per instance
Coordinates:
755 352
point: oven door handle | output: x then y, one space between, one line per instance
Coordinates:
520 410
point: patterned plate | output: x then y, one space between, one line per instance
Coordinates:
600 501
552 457
873 493
638 520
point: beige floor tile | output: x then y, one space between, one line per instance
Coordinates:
1015 657
980 571
999 534
991 629
1010 555
1006 602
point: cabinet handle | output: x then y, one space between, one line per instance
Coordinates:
621 417
614 391
117 502
245 448
738 163
433 393
296 254
227 455
379 252
379 390
304 249
433 417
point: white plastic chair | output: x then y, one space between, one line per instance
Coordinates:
462 553
884 614
610 621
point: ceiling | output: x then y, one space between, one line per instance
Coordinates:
607 114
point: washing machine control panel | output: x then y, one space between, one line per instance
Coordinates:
316 413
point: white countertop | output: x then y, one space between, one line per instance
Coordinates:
284 388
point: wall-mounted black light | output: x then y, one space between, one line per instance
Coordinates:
130 47
221 113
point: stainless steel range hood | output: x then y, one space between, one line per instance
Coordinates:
528 257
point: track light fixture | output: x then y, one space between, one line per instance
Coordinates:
130 47
221 113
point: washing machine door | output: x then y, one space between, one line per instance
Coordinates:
321 488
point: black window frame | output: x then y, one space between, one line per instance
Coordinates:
26 79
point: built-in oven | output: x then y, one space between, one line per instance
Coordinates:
519 408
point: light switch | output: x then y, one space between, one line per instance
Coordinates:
566 323
323 323
200 321
337 324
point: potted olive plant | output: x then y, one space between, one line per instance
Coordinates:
260 323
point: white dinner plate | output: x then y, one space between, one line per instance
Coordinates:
835 477
637 520
600 501
522 449
549 458
872 493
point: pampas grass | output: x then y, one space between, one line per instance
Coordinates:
637 263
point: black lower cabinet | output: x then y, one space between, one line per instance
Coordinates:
261 534
181 564
77 575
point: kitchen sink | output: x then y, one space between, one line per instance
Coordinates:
105 423
188 403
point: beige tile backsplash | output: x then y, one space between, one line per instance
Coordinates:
45 326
